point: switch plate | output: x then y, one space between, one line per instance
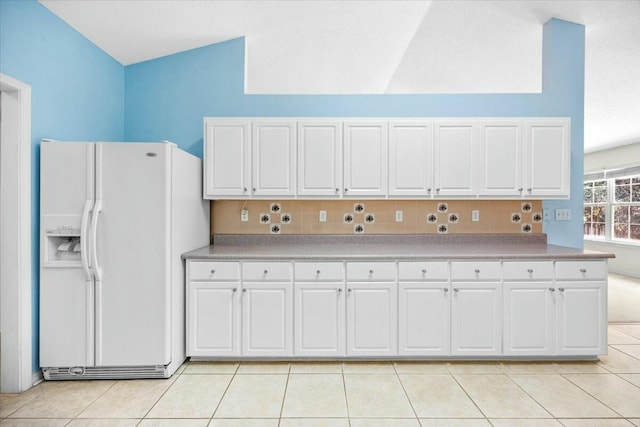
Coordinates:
563 214
546 215
475 216
244 215
399 216
322 217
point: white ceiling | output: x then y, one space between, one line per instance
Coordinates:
397 46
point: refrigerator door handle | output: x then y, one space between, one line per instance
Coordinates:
94 243
84 237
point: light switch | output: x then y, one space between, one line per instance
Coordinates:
322 217
475 216
563 214
399 216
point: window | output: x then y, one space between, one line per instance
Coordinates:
612 205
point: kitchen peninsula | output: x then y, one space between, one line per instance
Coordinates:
480 296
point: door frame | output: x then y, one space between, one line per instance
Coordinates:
16 250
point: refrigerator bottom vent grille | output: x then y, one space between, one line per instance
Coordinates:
105 372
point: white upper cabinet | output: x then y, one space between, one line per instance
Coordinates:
547 158
365 158
227 157
274 157
500 158
455 161
410 158
319 157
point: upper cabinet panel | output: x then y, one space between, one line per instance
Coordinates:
365 158
500 159
274 154
547 158
227 157
319 157
455 162
410 158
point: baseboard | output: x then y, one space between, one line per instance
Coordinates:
633 274
37 377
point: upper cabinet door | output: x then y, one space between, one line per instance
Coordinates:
410 158
455 161
547 153
227 158
365 158
500 159
274 158
319 158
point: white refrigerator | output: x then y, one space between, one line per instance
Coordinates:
114 221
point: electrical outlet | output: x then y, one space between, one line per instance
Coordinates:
399 216
563 214
475 216
322 217
244 215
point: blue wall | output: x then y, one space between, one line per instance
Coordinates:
77 93
167 98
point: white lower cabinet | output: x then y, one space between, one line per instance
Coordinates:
476 319
529 318
372 314
213 319
267 327
581 315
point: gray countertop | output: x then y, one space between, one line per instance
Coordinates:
392 247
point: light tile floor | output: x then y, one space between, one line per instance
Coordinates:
377 394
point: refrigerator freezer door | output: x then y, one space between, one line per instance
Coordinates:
66 289
133 310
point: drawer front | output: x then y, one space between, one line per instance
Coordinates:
423 271
371 271
475 270
318 271
205 270
266 271
537 270
581 270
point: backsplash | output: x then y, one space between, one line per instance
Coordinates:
376 216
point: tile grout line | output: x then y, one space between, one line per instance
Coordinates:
624 352
469 397
531 397
598 400
233 376
344 387
284 395
161 396
406 394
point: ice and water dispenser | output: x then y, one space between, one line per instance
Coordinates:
62 246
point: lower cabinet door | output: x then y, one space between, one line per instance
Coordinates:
529 318
581 313
372 314
476 319
267 312
423 319
319 319
213 319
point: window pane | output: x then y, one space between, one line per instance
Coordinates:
623 193
600 194
621 231
598 214
635 193
597 229
588 193
621 214
587 214
587 229
623 181
635 180
635 214
635 232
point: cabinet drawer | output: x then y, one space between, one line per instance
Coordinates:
203 270
542 270
318 271
368 271
475 270
423 270
266 271
581 270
